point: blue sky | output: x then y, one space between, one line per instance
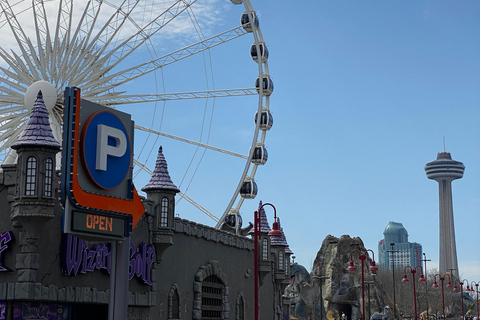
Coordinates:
364 94
365 91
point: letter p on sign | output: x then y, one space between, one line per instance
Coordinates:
104 149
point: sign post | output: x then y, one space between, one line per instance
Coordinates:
99 198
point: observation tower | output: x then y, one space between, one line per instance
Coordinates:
444 170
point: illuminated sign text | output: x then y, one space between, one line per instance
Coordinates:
78 257
5 238
98 223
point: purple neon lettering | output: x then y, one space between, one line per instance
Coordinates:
5 238
78 254
91 259
74 254
148 263
78 257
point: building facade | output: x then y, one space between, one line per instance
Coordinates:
178 269
394 250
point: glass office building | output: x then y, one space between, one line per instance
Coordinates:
395 238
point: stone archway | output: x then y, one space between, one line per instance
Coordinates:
210 270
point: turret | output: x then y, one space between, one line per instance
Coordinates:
161 190
34 199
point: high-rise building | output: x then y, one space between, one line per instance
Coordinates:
444 170
395 238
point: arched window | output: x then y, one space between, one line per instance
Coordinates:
173 303
212 298
48 177
281 260
287 266
240 312
31 177
265 249
164 213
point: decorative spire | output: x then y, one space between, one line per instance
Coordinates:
160 178
280 240
264 226
38 131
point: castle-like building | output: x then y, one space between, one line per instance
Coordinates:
178 269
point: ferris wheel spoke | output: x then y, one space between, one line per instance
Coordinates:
115 99
43 35
102 41
13 135
182 195
76 49
91 14
64 23
16 65
11 109
132 73
10 99
203 145
14 123
198 206
11 127
12 84
17 32
25 74
143 167
9 117
128 46
10 92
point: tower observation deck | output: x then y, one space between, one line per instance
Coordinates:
444 170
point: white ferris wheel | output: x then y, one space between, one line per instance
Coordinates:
182 68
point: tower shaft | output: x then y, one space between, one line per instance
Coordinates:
448 251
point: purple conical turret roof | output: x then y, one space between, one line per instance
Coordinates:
38 132
264 226
281 240
160 178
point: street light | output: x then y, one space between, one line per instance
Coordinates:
322 307
435 285
257 234
393 280
461 293
373 267
405 279
476 289
426 284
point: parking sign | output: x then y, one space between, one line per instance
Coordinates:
99 197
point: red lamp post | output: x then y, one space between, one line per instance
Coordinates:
449 285
461 293
405 279
476 289
373 267
256 235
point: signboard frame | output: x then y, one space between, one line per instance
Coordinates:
81 196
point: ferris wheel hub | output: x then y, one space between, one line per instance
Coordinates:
48 91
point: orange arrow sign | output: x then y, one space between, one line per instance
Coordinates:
90 200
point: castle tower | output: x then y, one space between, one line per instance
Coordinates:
444 170
35 192
161 191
